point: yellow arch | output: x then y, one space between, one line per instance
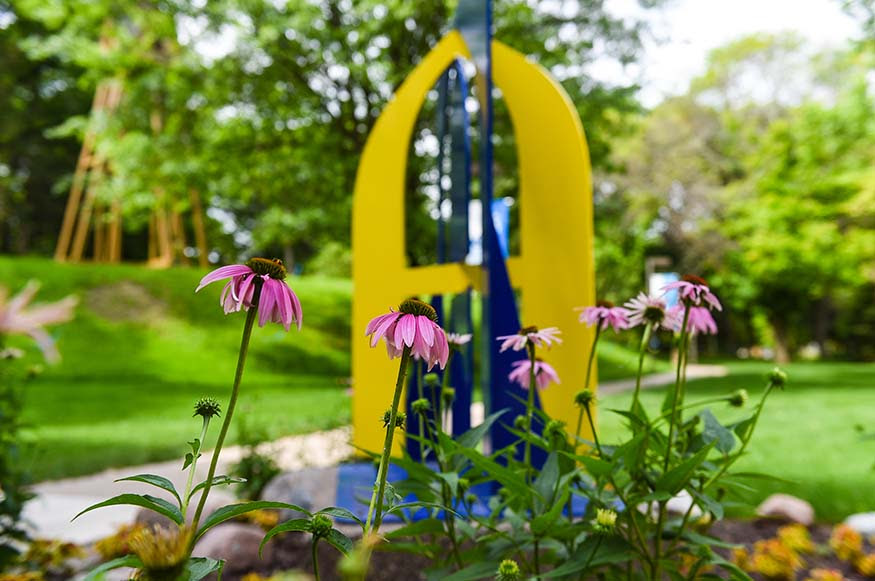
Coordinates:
555 270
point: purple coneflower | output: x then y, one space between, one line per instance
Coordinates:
16 318
699 321
694 290
604 313
522 373
458 339
645 309
538 338
277 302
414 325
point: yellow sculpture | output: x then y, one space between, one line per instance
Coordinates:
555 271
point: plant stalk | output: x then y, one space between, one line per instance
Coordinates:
376 507
235 391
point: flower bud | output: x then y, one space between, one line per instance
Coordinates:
400 419
778 377
207 407
420 406
554 429
584 398
508 570
448 394
431 379
320 525
520 422
605 520
738 398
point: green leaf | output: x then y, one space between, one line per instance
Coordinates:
200 567
158 505
339 541
235 510
96 574
189 458
217 481
715 432
595 466
473 572
505 476
342 513
154 480
676 478
594 551
421 527
419 504
301 525
542 523
709 504
472 437
545 483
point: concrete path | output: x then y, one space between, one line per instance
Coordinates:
50 513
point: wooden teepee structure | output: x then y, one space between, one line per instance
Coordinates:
86 213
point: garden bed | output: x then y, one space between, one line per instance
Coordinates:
293 552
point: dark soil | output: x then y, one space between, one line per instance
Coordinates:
291 553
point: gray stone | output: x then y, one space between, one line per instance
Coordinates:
787 507
236 544
311 489
862 522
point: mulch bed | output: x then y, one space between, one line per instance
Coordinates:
291 553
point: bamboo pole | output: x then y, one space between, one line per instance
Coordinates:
79 175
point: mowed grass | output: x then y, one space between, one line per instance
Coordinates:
807 434
143 347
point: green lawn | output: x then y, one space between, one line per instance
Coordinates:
806 434
144 347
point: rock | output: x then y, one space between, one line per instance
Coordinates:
678 504
235 543
311 489
862 522
786 507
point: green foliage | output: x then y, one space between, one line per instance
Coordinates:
270 126
14 477
626 530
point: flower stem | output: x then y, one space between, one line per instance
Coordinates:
235 390
315 559
193 467
376 507
677 387
530 412
642 350
595 436
592 352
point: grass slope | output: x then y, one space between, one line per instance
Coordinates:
806 434
143 347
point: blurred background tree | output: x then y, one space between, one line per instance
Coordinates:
757 177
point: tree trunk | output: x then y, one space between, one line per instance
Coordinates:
782 347
289 257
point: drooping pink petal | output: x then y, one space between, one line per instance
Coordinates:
223 272
45 343
266 303
297 311
284 303
426 330
406 330
375 322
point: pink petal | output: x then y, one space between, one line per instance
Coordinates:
266 304
426 330
297 311
407 328
223 272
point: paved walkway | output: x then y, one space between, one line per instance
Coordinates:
57 502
